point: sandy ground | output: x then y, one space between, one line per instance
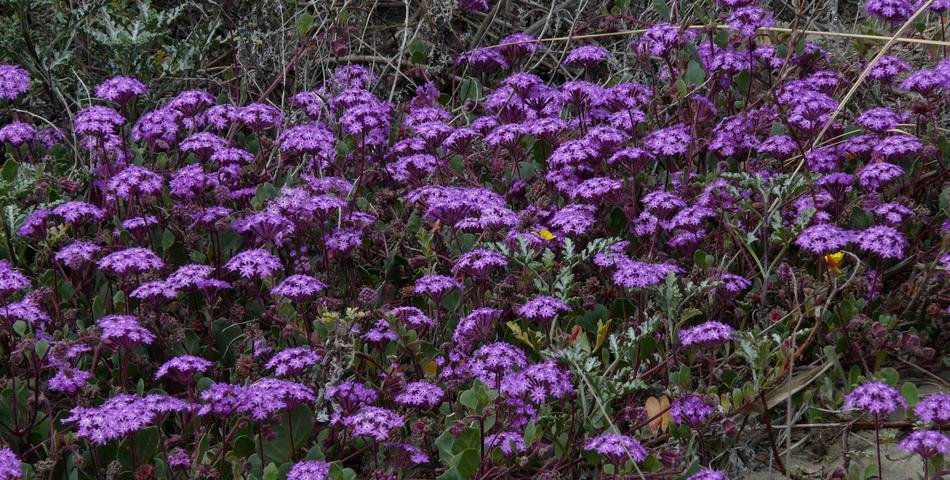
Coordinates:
897 464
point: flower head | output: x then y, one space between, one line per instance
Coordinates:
350 396
660 39
122 415
878 174
617 448
586 56
412 317
76 212
293 361
926 82
707 474
539 382
183 368
489 362
178 460
134 182
420 394
887 68
10 467
11 280
482 60
668 141
135 260
124 331
120 89
299 288
892 11
255 263
636 274
875 398
69 381
435 286
309 470
17 133
823 238
709 334
746 20
543 308
882 240
691 410
926 443
13 81
25 310
934 409
510 443
374 422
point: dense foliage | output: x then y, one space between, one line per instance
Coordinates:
508 275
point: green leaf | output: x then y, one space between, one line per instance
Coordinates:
418 51
304 23
339 473
681 377
118 299
264 193
471 89
681 87
41 348
662 7
168 239
467 462
742 82
695 75
703 259
19 327
889 375
602 330
909 390
530 433
243 446
9 170
689 313
270 472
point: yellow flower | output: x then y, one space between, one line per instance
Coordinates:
833 260
545 234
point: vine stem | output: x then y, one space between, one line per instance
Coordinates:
877 443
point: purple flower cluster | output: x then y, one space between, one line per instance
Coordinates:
259 400
309 470
10 466
293 361
934 409
691 410
543 308
374 422
926 443
875 398
299 288
121 89
14 81
183 368
708 334
421 395
122 415
707 474
135 260
617 448
124 331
